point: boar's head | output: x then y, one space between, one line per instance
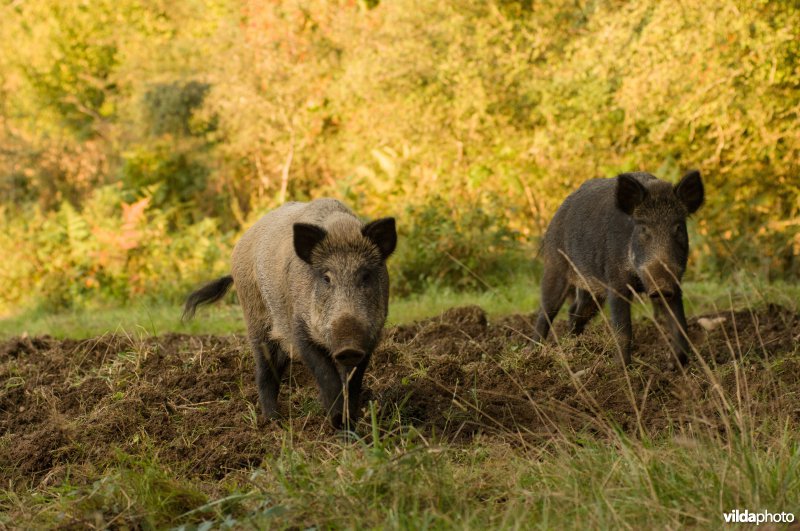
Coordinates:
349 285
659 246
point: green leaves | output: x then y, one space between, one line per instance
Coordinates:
223 109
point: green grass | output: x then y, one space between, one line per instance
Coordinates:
152 319
395 478
399 480
520 295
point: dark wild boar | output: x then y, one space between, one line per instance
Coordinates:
613 237
311 280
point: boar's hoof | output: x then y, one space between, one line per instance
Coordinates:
268 419
683 361
349 357
338 423
336 420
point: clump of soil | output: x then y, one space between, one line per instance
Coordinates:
193 398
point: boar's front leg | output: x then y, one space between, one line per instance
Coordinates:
621 319
271 361
328 379
355 379
671 311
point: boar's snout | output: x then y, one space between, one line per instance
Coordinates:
666 293
661 281
349 345
349 357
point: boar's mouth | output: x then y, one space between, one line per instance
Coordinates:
349 357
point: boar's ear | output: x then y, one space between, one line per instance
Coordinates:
306 237
630 193
690 191
383 233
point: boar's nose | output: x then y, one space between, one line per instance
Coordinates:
666 293
349 356
348 341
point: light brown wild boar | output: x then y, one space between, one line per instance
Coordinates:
312 280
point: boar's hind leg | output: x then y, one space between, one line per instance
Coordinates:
271 362
621 319
554 290
676 325
582 310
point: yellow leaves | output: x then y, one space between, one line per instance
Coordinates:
786 226
125 235
781 225
398 104
132 217
133 213
386 158
108 249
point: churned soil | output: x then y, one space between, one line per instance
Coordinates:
191 400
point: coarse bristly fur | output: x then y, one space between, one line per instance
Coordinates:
312 281
615 237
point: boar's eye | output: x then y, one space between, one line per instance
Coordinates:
676 229
326 278
365 278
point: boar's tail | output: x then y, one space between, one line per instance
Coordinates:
211 292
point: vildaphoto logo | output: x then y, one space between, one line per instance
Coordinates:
764 517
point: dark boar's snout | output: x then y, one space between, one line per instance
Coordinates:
350 341
667 293
661 281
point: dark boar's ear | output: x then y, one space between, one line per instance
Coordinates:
306 237
630 193
383 233
690 191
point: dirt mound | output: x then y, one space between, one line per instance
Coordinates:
193 399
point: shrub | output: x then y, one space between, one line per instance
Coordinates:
459 246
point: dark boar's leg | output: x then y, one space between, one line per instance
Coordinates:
676 325
621 319
327 377
554 291
582 310
271 362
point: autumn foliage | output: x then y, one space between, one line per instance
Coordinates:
139 138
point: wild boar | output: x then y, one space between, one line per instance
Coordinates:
613 237
311 280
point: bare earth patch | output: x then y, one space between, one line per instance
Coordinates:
74 404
